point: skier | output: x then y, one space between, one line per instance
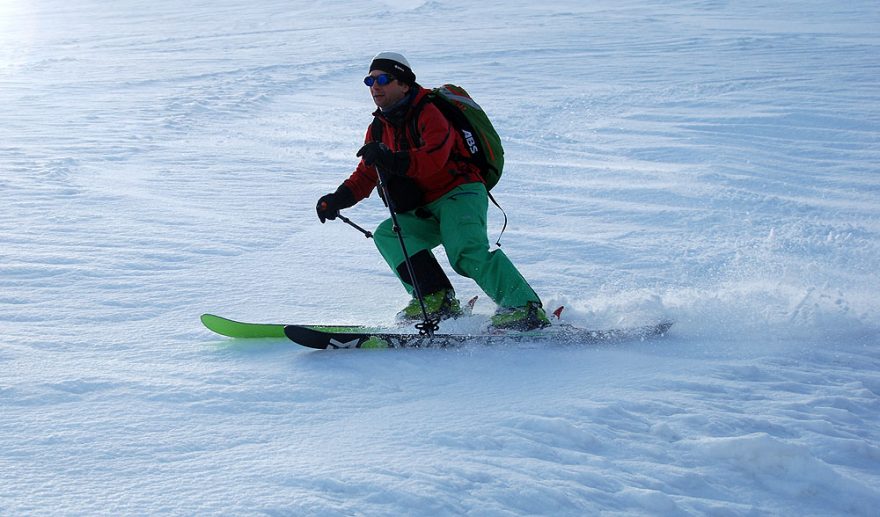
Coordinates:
439 197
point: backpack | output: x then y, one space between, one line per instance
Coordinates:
469 119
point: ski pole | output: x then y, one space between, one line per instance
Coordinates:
428 326
348 221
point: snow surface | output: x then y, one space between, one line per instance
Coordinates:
707 161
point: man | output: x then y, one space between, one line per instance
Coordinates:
439 197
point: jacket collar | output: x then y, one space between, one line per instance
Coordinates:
396 114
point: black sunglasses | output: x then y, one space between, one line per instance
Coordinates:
382 79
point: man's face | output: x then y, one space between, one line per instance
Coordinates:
386 96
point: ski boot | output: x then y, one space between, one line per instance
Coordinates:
440 305
529 317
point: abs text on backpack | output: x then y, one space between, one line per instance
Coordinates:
469 119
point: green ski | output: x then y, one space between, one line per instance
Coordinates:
237 329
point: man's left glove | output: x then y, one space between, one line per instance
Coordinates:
380 155
329 205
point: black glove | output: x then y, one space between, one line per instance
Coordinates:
377 153
329 205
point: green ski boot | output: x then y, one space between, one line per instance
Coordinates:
440 305
529 317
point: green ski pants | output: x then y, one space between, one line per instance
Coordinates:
458 222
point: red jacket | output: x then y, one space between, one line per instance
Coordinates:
436 161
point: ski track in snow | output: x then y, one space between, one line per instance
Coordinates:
710 162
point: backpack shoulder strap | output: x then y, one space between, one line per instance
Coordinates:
414 116
376 129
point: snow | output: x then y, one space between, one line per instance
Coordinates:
710 162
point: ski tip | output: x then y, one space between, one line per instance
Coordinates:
558 312
664 326
206 318
211 320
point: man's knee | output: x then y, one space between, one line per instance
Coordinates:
470 261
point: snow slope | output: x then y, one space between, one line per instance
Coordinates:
711 162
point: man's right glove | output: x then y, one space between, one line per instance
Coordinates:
329 205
